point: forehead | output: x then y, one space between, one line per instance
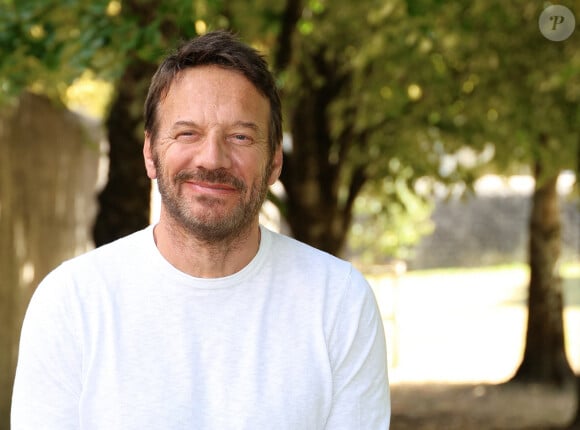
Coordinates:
213 92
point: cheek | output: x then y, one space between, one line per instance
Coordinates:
175 159
245 163
257 169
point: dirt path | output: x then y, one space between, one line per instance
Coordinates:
480 407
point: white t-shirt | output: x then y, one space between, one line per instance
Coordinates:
119 339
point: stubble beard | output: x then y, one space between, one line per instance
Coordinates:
212 225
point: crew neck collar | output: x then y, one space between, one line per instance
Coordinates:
171 272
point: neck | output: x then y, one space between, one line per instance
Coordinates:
203 259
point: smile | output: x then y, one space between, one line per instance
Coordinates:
211 187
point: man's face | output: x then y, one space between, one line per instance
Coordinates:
211 153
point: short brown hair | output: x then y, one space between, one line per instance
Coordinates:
223 49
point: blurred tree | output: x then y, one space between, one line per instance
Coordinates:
48 171
519 92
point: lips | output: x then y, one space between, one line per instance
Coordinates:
211 180
211 187
214 186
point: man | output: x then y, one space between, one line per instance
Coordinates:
206 320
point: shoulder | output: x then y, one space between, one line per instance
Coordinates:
312 267
294 251
123 252
131 245
94 267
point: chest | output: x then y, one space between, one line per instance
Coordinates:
206 364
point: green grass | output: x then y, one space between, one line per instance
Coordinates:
469 270
508 281
567 270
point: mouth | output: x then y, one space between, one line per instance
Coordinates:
212 182
211 187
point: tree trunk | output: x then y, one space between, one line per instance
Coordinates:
48 174
124 202
575 424
312 208
9 316
319 199
544 358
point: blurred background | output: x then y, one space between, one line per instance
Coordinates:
434 144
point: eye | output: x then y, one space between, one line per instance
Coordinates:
241 139
186 136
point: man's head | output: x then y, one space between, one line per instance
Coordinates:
213 137
219 48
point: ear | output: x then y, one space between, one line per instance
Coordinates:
148 157
277 162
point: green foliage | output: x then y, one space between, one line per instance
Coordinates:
385 229
513 87
46 45
412 81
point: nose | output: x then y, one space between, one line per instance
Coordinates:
213 153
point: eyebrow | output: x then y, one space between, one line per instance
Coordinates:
245 124
184 124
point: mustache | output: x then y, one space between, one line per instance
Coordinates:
218 176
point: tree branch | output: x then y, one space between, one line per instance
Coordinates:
359 178
290 17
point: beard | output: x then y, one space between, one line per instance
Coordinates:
212 223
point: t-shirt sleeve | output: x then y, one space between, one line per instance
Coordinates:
361 399
47 384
